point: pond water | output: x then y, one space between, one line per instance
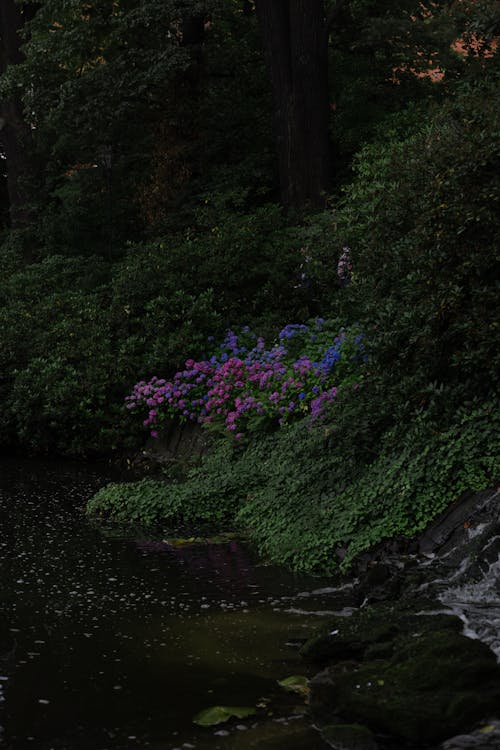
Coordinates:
110 641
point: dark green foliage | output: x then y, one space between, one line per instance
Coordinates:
154 230
351 508
375 50
96 77
76 333
250 261
71 348
56 356
306 504
158 502
422 220
135 120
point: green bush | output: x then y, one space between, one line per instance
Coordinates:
249 260
58 352
195 501
302 500
75 332
70 352
315 505
421 219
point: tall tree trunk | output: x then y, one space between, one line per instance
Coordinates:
193 36
294 34
15 135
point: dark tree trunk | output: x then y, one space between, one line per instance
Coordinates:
15 135
15 138
248 8
294 34
193 36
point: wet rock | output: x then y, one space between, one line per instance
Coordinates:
396 554
348 637
486 737
490 547
323 696
401 666
290 733
373 630
377 575
182 443
451 527
349 737
426 691
343 642
379 583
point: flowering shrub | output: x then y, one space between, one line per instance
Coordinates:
244 386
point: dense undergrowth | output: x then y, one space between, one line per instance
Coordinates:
420 215
77 331
421 219
306 502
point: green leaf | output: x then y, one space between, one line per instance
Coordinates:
183 542
295 684
487 729
209 717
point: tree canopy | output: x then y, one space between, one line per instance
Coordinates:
176 99
175 168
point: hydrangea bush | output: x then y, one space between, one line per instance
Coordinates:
244 386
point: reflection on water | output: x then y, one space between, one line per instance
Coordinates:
108 642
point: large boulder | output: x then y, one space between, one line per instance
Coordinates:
349 737
373 631
434 685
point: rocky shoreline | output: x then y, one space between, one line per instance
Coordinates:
409 668
413 664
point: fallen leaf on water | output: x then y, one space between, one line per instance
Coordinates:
209 717
296 684
488 728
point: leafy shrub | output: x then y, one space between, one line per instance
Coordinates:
158 502
249 260
68 356
422 221
75 331
348 509
305 505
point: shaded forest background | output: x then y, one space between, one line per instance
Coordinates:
171 168
175 168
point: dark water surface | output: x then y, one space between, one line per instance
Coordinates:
111 642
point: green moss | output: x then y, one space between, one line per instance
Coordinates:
427 690
349 737
373 630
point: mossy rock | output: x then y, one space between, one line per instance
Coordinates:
372 632
349 737
433 686
292 734
348 637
